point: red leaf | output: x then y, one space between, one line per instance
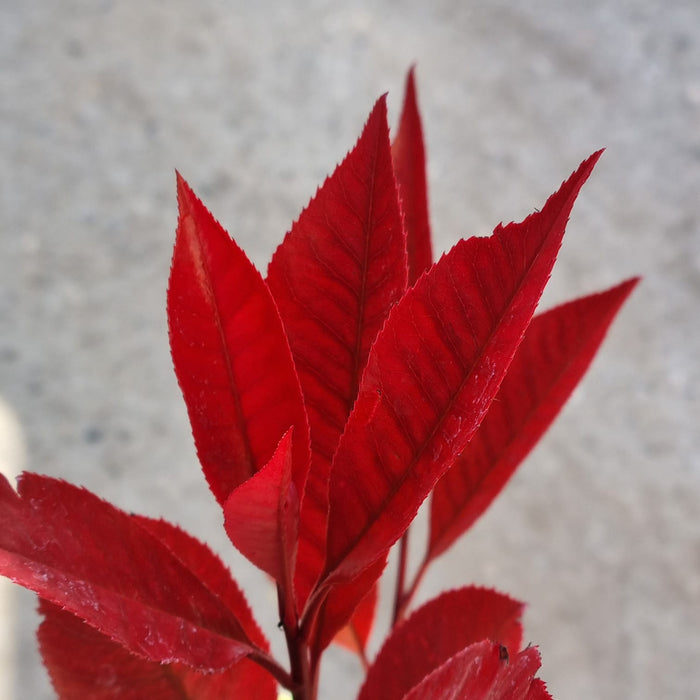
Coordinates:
480 672
340 604
436 632
355 635
83 663
231 355
209 569
262 516
555 353
408 154
432 373
99 563
334 278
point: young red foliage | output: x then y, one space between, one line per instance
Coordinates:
556 351
99 563
83 663
334 278
231 354
326 402
423 642
430 377
340 605
262 517
481 671
408 152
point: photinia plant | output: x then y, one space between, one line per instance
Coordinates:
327 401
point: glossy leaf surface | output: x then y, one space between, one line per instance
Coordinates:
555 353
334 278
436 632
480 672
209 569
262 516
408 151
431 375
231 354
326 402
96 561
83 663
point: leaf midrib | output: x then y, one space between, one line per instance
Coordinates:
446 412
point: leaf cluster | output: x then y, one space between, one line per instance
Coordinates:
327 401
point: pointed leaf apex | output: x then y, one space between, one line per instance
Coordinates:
590 162
189 203
580 175
184 191
408 153
411 81
379 112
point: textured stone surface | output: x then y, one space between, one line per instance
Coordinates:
254 104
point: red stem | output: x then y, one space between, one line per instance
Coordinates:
274 669
411 592
302 686
400 580
403 597
360 648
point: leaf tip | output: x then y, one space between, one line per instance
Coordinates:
186 197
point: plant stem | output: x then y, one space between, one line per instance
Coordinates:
400 579
360 648
301 672
408 595
272 667
302 683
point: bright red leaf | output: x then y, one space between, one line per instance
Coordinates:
340 605
431 376
325 402
355 635
334 278
482 672
96 561
231 355
83 663
209 569
408 153
556 351
436 632
262 517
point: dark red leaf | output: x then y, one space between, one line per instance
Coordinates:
355 635
99 563
334 278
556 351
209 569
408 154
340 604
83 663
435 633
480 673
262 516
432 373
231 355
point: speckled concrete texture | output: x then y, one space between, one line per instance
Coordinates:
255 103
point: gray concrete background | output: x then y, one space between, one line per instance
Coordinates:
255 104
